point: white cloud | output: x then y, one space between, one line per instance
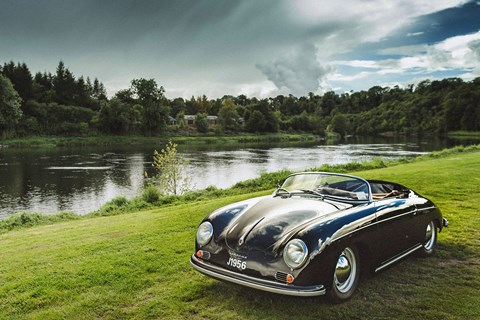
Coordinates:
298 71
360 21
460 52
415 34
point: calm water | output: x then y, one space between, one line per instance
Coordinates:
81 179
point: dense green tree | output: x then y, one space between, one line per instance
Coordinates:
21 79
228 117
10 112
155 116
43 87
146 90
118 117
63 103
256 122
177 105
98 91
201 122
339 124
64 85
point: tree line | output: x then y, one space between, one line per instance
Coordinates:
62 104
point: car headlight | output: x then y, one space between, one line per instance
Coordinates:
204 233
295 253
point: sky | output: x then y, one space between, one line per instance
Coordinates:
259 48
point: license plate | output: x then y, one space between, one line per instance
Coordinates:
236 262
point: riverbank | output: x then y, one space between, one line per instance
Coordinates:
47 141
464 135
150 198
136 265
59 141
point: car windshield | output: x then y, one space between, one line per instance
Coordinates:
335 186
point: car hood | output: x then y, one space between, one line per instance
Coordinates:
271 220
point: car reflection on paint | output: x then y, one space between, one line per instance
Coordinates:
311 236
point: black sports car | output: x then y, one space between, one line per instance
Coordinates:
311 236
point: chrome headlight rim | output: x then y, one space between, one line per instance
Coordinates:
204 233
300 247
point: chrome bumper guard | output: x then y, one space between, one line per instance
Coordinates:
445 222
260 284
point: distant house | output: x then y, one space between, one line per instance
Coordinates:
212 120
190 119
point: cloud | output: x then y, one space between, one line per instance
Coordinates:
415 34
221 47
474 47
298 71
454 53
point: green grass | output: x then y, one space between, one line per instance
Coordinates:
57 141
464 135
135 266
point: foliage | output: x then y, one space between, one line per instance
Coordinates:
201 122
429 108
171 170
29 219
151 194
256 122
10 112
228 117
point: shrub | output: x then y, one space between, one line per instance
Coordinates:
151 194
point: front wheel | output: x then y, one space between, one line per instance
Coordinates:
430 239
345 276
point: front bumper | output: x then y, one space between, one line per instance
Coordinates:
266 285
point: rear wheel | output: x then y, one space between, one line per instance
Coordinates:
430 239
345 276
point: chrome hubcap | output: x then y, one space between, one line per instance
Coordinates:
345 271
430 236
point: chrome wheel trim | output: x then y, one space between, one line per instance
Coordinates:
345 271
430 236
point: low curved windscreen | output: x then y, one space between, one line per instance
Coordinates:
335 186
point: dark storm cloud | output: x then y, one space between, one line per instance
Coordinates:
175 41
212 47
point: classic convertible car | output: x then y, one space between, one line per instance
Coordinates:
314 233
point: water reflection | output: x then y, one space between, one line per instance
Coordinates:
82 179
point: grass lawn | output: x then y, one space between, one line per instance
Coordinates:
59 141
135 266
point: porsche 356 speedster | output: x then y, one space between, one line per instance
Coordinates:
314 233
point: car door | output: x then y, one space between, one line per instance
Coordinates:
395 223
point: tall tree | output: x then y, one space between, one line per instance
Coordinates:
21 79
64 85
10 112
228 116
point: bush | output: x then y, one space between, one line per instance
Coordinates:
28 219
151 194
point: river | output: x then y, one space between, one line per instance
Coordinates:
81 179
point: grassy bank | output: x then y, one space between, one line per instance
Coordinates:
135 266
464 134
121 140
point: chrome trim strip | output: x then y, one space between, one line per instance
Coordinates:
396 217
399 257
428 208
260 284
242 238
